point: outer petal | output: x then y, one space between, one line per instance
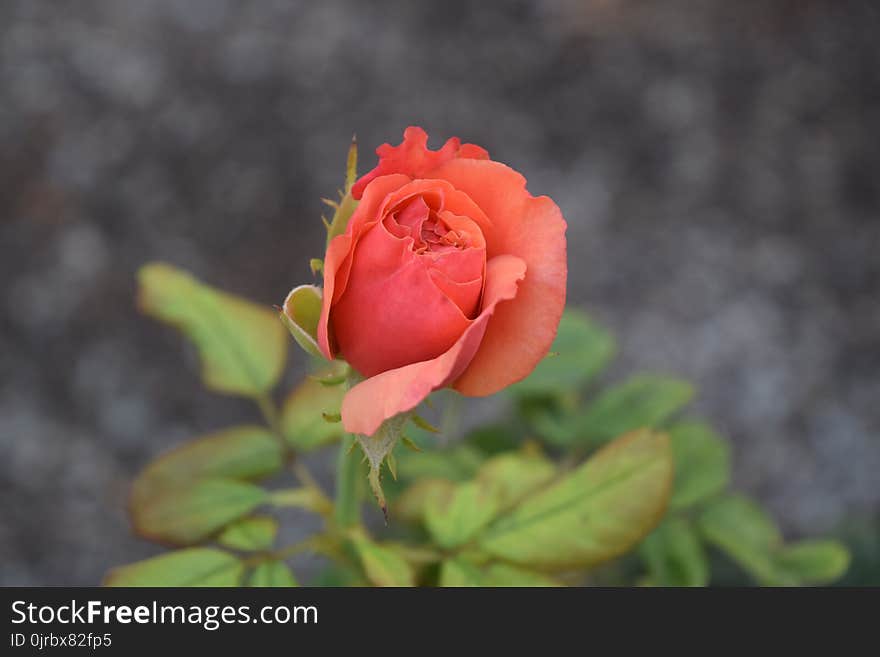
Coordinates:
413 158
520 333
385 395
337 261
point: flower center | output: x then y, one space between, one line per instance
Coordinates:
434 231
437 236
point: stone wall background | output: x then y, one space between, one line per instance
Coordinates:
717 163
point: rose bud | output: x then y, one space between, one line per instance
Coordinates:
449 274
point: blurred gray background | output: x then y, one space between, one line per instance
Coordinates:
717 163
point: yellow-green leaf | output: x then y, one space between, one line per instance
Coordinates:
740 528
411 505
454 518
190 567
495 438
749 536
339 575
459 572
814 561
702 463
456 463
300 314
244 453
580 351
502 574
674 555
595 513
191 513
513 476
382 565
249 534
302 421
241 345
453 514
272 574
645 401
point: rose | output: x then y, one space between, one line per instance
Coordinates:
449 273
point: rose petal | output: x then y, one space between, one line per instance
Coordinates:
382 196
392 313
520 333
413 158
464 295
337 261
441 197
378 398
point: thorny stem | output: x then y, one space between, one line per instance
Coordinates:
340 520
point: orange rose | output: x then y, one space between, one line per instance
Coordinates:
449 273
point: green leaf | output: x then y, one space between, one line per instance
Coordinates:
246 453
272 574
597 512
459 572
250 534
814 561
702 463
456 463
502 574
454 518
514 476
494 438
301 416
191 513
581 350
339 575
242 347
740 528
190 492
455 514
674 555
300 314
190 567
412 504
644 401
382 565
179 487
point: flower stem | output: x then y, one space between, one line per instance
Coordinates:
272 418
270 413
348 473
